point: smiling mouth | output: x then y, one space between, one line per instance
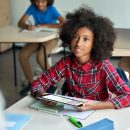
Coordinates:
41 7
78 50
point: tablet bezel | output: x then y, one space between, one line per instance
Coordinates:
72 101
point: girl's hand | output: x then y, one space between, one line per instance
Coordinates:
96 105
49 103
31 27
89 105
46 102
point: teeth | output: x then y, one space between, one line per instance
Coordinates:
78 50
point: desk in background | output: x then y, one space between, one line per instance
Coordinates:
122 44
41 120
11 34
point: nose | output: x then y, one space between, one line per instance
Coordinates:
79 41
39 3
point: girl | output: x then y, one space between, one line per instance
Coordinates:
45 15
88 71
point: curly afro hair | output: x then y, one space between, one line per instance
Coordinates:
102 28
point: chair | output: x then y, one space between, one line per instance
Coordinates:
57 49
124 75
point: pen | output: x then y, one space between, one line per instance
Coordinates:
74 121
30 22
21 30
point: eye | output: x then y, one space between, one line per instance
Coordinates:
86 39
75 37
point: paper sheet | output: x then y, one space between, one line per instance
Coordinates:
42 30
71 111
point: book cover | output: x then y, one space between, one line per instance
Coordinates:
104 124
53 109
15 121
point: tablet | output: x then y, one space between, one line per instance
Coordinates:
63 99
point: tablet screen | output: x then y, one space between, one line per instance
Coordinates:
62 99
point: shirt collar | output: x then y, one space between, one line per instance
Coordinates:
85 67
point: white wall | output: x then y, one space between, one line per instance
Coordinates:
117 10
18 8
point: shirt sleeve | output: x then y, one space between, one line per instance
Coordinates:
29 11
56 13
50 77
117 86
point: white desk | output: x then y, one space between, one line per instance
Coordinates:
12 34
122 44
41 120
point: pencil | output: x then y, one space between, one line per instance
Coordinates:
23 28
30 22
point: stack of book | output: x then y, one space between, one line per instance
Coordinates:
50 109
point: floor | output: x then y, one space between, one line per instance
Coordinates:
10 92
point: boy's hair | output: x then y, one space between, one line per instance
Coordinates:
32 1
49 2
102 28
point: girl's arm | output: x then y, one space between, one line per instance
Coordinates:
117 86
49 78
23 23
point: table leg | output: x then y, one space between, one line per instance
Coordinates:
15 69
45 55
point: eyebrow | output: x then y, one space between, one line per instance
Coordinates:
84 35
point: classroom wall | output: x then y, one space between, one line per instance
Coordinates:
118 11
18 8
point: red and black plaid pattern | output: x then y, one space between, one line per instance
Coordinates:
88 81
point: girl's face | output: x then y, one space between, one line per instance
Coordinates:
82 44
41 4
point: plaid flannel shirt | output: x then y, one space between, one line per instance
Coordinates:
88 81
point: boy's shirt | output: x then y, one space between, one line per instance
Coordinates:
49 16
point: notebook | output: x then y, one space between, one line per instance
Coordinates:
46 30
104 124
41 30
42 107
15 121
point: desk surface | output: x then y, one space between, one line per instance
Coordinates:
11 34
121 52
41 120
